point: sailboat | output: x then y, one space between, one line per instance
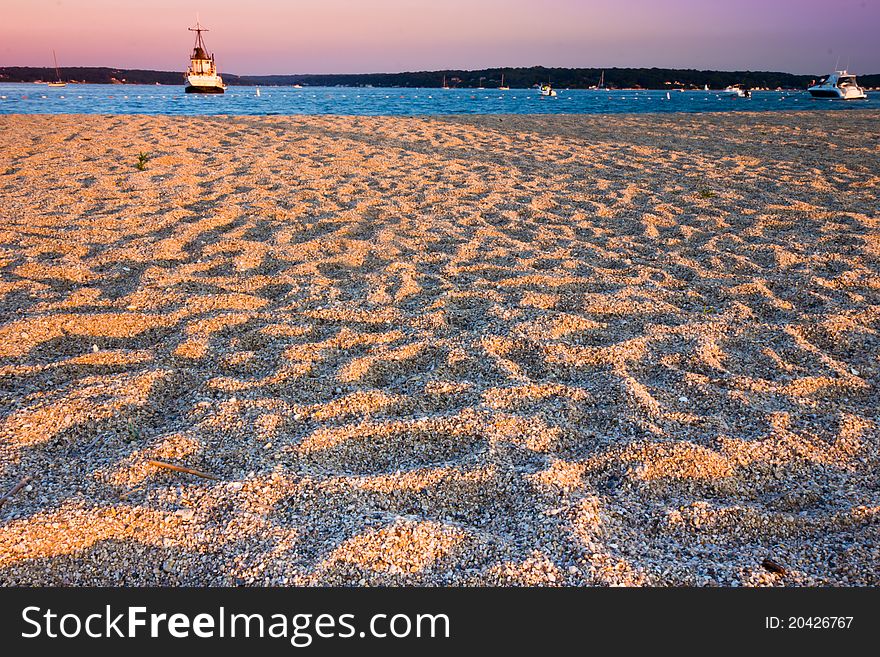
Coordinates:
58 81
201 76
503 87
445 86
601 86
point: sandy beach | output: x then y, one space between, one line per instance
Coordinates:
490 350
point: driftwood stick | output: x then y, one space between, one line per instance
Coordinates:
21 484
180 468
773 567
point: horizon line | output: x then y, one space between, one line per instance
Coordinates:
443 70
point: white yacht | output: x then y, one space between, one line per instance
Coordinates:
201 76
839 84
733 91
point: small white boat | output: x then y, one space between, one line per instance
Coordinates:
839 84
547 90
733 91
445 86
503 86
202 77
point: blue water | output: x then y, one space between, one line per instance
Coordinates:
152 99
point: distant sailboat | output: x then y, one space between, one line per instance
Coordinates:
503 87
445 86
601 86
58 81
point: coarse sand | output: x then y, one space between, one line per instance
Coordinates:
493 350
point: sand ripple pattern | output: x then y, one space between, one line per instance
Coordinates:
486 350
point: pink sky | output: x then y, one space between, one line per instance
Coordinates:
356 36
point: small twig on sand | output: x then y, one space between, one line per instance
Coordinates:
773 567
180 468
21 484
129 493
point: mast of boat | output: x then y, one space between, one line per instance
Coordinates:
602 80
57 71
198 29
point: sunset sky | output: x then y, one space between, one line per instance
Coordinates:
358 36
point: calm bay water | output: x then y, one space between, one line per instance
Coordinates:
153 99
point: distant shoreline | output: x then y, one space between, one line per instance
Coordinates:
518 78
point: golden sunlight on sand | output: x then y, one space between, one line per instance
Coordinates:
637 350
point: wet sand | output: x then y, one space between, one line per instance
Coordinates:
544 350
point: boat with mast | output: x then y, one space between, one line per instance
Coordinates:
445 86
201 76
58 81
601 85
503 86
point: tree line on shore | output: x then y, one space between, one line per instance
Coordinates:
572 78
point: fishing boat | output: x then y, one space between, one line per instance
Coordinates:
201 76
547 90
58 82
841 85
503 86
